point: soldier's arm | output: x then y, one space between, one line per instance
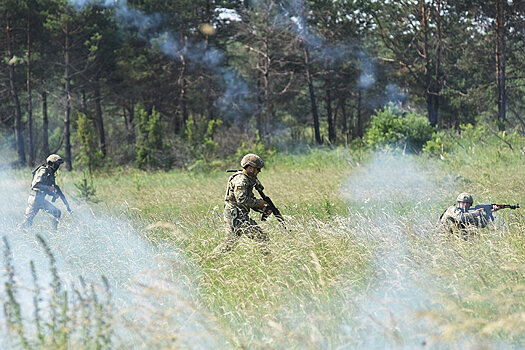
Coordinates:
38 183
243 193
468 218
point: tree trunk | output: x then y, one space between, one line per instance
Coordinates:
359 124
67 114
19 138
99 120
182 117
431 96
129 121
260 100
344 119
500 62
45 122
313 102
30 146
268 107
329 115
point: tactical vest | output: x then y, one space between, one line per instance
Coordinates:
229 197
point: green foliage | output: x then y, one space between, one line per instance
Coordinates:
86 189
391 127
149 140
203 147
441 143
89 156
257 147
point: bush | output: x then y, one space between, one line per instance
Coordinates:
150 146
391 127
256 147
440 144
89 155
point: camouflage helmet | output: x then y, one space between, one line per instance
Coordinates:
465 197
253 160
54 159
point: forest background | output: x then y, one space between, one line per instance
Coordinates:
185 83
150 101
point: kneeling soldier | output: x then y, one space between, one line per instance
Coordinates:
43 184
239 200
458 220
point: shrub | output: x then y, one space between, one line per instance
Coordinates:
391 127
149 144
440 144
89 155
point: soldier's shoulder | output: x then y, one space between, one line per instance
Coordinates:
448 212
41 171
241 178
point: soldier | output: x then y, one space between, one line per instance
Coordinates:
459 221
44 184
239 200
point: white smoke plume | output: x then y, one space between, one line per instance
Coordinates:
150 282
393 198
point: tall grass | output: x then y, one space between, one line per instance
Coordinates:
61 317
363 265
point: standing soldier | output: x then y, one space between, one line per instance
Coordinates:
239 200
458 220
44 184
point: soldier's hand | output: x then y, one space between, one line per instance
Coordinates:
262 203
477 212
496 207
52 189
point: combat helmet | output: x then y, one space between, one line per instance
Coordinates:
253 160
54 159
465 197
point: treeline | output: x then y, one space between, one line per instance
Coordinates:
168 83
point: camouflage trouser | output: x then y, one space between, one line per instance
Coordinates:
239 223
37 201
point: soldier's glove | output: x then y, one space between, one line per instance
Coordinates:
262 204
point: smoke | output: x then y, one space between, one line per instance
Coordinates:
150 281
393 200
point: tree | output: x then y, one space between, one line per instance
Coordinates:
413 33
11 13
70 32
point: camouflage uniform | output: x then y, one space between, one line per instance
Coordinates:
461 222
43 177
239 200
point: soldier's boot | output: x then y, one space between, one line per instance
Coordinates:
23 225
54 224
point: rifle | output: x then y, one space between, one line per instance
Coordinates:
272 209
488 209
60 194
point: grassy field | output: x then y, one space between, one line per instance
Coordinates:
363 264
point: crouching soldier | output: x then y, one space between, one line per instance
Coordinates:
239 200
461 222
44 184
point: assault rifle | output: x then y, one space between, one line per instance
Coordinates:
272 209
488 209
60 195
